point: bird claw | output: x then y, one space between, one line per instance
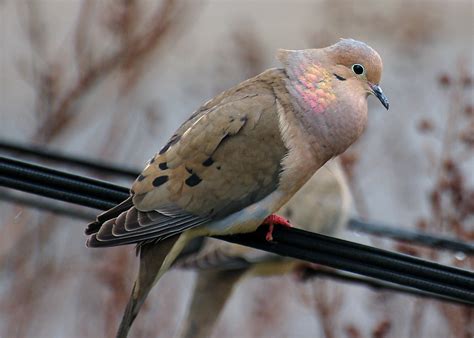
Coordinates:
273 220
268 235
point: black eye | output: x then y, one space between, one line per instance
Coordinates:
358 69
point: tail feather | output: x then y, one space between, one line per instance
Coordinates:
94 227
154 261
130 313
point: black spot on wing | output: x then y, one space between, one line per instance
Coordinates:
193 180
160 180
208 162
174 139
140 177
165 149
163 166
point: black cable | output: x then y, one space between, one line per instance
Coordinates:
307 273
64 181
436 280
59 194
401 269
415 237
383 258
412 236
48 155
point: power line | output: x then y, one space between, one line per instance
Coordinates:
411 236
405 270
342 276
49 155
376 229
364 260
307 272
60 185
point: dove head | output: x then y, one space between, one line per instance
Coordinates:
355 60
330 87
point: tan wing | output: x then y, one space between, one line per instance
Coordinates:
225 157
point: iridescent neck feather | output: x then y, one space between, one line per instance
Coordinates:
314 87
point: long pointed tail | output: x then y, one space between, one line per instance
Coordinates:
154 261
211 292
131 312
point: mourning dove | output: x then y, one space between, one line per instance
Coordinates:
322 205
241 156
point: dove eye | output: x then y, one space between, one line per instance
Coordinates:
358 69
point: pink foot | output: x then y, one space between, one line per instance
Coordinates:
273 220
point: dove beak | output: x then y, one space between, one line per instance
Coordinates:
379 94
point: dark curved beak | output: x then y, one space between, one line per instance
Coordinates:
380 95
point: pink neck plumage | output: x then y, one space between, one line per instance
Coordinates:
313 86
333 128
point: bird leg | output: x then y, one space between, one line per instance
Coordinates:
272 220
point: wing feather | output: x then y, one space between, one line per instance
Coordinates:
226 157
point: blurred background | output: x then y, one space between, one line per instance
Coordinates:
113 79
